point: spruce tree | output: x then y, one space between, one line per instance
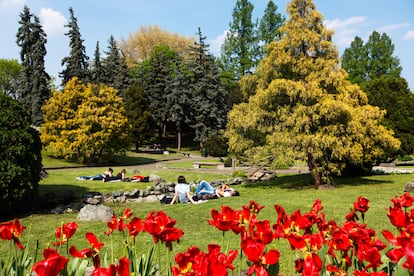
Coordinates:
77 61
33 88
209 105
115 69
97 72
179 100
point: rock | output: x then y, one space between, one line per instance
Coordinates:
93 201
155 178
409 187
95 213
152 198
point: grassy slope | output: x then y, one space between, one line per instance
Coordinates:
289 191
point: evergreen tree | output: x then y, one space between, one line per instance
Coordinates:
393 95
304 107
179 100
97 72
372 60
33 88
355 61
20 158
269 26
139 116
115 69
156 74
77 61
208 95
239 52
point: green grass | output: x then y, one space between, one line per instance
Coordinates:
290 191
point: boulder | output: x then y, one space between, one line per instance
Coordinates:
409 187
95 213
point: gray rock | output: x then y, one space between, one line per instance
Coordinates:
409 187
95 213
155 178
152 198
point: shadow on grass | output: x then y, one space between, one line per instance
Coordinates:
304 181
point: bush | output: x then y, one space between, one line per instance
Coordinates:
216 146
20 158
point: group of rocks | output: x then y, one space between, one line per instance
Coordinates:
91 206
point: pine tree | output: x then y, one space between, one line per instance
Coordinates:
208 94
269 26
139 116
179 99
97 72
372 60
77 61
156 74
239 52
304 107
115 69
33 88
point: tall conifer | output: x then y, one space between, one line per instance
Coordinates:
77 61
33 88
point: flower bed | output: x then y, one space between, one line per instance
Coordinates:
323 247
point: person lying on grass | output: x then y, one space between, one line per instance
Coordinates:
205 189
119 177
109 173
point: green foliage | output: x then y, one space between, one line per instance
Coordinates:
239 52
10 71
139 116
85 122
115 69
216 145
393 95
76 64
34 83
372 60
208 102
20 158
304 108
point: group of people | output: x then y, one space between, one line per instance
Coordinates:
106 176
182 191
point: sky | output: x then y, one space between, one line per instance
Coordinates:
99 19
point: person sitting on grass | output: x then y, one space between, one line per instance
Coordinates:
109 173
205 188
182 192
119 177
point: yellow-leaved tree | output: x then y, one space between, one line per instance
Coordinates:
302 105
85 122
138 46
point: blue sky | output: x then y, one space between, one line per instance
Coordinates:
99 19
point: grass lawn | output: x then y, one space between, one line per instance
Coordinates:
290 191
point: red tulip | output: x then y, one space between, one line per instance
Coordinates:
135 226
65 232
397 217
255 252
12 230
224 220
51 265
361 204
91 252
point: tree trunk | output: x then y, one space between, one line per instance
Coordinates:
314 170
179 136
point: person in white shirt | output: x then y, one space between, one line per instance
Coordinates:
182 192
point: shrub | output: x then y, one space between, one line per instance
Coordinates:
20 158
216 146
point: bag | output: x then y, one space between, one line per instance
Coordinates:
166 199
